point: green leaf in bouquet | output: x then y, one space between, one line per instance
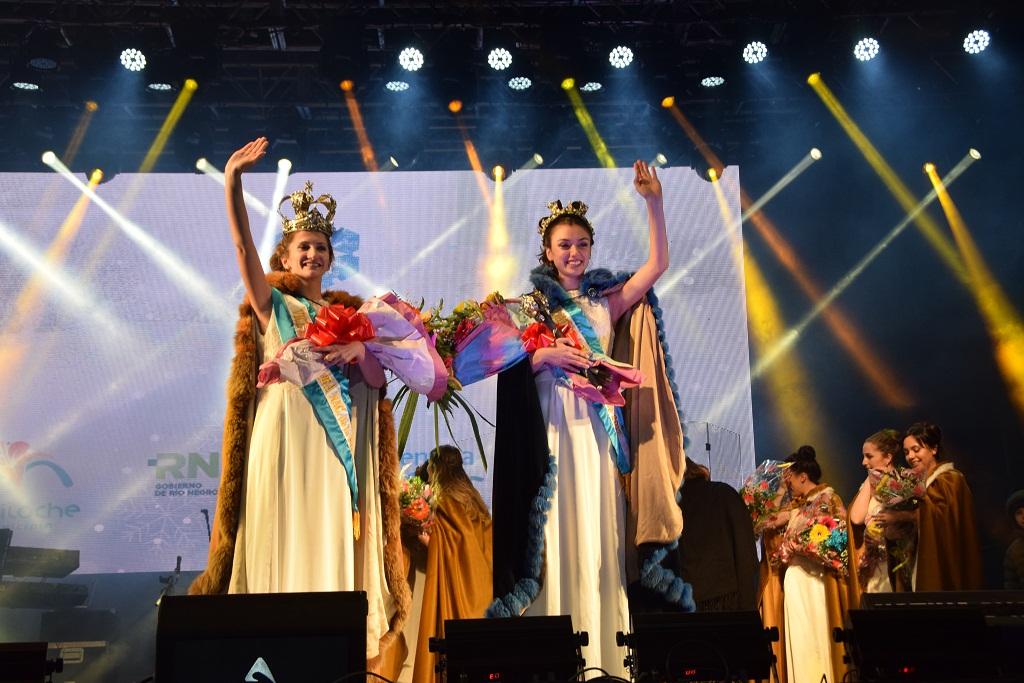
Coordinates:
405 424
476 427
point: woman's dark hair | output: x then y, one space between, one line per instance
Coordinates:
694 470
927 433
805 461
282 248
545 240
451 482
889 441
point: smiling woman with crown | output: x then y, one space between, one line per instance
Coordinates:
308 498
585 476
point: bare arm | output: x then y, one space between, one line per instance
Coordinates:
257 290
649 187
859 507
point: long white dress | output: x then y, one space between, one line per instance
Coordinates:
584 552
295 528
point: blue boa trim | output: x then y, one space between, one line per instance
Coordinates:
593 284
527 588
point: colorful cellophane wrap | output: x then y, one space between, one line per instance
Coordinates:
390 328
501 335
417 503
764 493
817 531
900 489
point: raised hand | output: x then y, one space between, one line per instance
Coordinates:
646 181
245 158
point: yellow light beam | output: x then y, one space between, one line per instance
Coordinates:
474 162
879 375
925 223
71 151
498 266
587 123
170 121
177 270
365 148
772 355
1002 320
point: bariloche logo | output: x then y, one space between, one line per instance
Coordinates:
260 669
17 458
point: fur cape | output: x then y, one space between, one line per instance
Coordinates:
238 421
527 471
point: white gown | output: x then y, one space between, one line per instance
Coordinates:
295 527
584 554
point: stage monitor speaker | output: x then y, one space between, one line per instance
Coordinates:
25 663
262 637
672 646
512 650
953 636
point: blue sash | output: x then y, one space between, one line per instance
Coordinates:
328 395
612 419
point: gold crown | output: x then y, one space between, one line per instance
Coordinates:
307 216
577 208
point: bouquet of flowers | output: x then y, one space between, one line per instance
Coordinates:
417 502
764 493
900 489
822 538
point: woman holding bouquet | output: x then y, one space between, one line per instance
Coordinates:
873 567
309 481
948 553
563 537
818 574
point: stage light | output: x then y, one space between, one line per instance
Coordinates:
91 106
393 161
713 174
975 154
538 159
519 83
568 83
866 49
284 165
590 86
49 157
410 59
499 58
397 86
25 85
498 172
712 81
159 87
455 106
755 52
133 59
201 164
929 167
815 153
346 85
976 41
43 63
620 57
667 102
660 159
191 84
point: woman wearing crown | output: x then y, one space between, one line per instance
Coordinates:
584 482
309 480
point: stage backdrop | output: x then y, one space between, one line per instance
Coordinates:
113 364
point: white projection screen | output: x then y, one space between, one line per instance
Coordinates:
114 357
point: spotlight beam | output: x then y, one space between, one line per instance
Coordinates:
251 201
180 273
1002 320
882 378
170 122
365 148
925 223
272 231
790 175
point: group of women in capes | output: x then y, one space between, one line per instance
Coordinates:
584 498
